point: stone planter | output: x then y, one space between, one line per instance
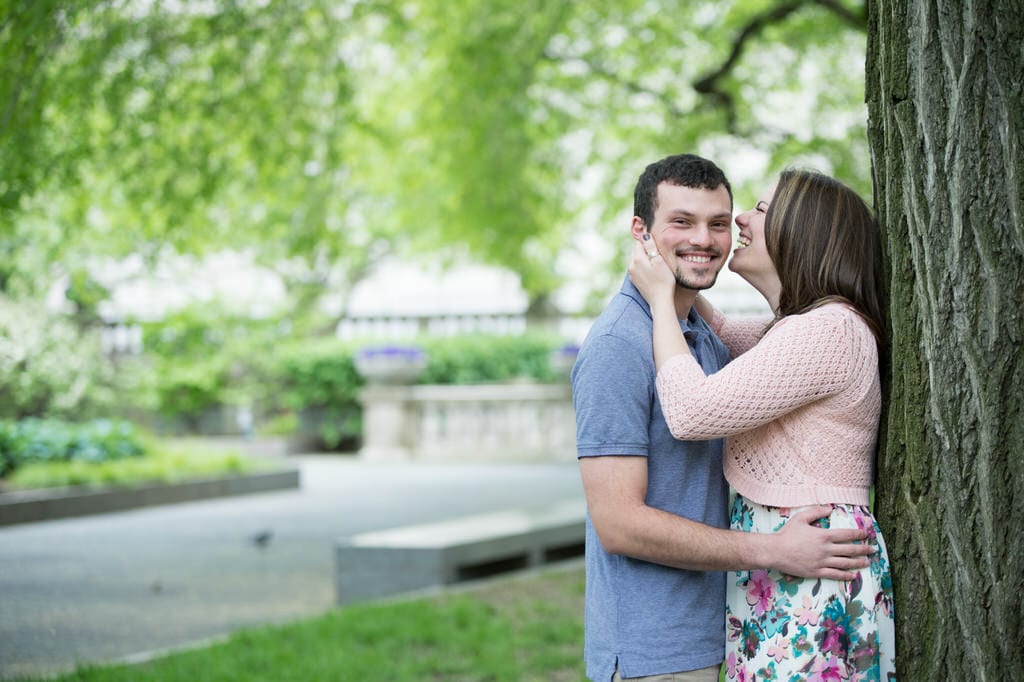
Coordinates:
484 422
389 372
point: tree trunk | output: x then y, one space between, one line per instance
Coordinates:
945 92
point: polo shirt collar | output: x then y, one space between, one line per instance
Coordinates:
693 325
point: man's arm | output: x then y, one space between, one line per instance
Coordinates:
616 488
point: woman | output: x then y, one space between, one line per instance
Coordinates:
799 405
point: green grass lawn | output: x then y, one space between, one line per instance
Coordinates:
519 629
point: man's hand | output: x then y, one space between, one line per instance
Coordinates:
804 550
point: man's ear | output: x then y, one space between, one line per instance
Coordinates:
638 228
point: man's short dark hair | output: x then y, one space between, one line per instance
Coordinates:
684 170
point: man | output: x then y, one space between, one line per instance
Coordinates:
656 524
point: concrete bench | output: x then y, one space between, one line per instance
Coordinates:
381 563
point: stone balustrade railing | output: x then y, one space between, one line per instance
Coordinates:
122 338
494 422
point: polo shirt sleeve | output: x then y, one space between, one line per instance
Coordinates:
613 395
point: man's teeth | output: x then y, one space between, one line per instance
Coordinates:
696 259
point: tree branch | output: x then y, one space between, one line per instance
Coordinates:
856 20
609 75
709 84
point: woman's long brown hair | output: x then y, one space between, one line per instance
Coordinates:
826 246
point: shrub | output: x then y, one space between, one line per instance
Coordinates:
186 388
47 366
51 440
318 380
318 373
281 424
162 463
482 359
196 330
205 356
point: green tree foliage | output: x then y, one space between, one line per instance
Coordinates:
532 113
319 135
184 127
47 365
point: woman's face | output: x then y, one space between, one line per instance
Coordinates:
750 257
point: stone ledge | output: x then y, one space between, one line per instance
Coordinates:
382 563
27 506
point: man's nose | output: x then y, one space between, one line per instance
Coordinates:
701 235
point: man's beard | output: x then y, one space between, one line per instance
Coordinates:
683 282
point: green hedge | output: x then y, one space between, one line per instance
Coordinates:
204 356
313 383
318 380
485 359
51 440
318 373
186 388
320 377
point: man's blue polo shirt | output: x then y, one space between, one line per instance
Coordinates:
647 618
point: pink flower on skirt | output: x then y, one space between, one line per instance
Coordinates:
760 592
864 523
730 665
827 670
805 615
779 649
745 676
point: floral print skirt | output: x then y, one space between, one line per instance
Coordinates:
779 627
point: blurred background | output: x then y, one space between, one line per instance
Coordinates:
234 228
208 208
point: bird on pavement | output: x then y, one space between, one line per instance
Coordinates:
262 538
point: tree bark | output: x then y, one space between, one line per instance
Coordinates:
945 93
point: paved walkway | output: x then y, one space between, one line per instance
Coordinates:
117 585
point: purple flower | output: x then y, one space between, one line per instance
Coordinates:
569 349
390 364
391 352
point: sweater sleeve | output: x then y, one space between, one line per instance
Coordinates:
739 334
802 359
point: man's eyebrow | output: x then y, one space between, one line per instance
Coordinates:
690 214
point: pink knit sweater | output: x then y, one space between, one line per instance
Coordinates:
800 406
